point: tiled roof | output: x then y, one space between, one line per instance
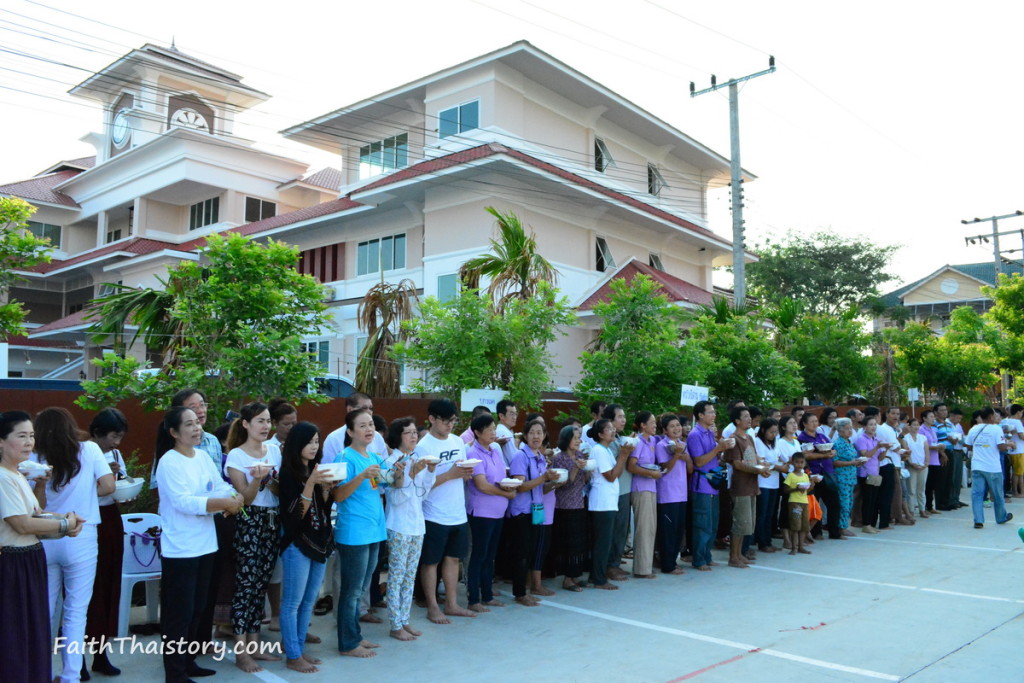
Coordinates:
676 289
986 272
329 178
86 162
19 340
79 164
491 149
40 189
137 246
74 320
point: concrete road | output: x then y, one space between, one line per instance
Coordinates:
939 601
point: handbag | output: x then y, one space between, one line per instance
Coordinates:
716 478
873 480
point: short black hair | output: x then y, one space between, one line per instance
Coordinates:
986 412
106 421
700 407
179 398
481 422
480 410
610 409
597 407
395 429
442 408
737 412
503 406
938 405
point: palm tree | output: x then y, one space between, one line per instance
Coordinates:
515 267
149 310
381 314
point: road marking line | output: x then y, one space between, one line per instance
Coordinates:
889 585
264 675
935 545
725 643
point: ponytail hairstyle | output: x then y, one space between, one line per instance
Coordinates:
292 461
238 434
350 419
641 418
164 439
58 440
598 427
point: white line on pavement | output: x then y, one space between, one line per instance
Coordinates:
265 675
935 545
887 585
725 643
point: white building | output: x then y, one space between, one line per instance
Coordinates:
609 189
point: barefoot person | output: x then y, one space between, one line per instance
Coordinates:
704 450
404 520
603 500
447 530
361 528
798 484
306 539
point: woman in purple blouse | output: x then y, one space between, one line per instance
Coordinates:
820 462
570 530
676 466
529 524
644 494
486 504
868 446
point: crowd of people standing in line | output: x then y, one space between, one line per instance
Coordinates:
302 522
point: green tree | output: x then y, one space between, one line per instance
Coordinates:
381 314
465 343
957 366
832 354
826 272
1007 318
236 326
639 358
515 268
19 250
745 363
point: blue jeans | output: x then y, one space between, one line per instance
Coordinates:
300 586
705 524
480 573
993 483
356 564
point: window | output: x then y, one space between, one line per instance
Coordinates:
386 253
113 235
605 261
655 182
75 308
204 213
602 157
655 262
459 119
258 209
447 287
321 350
46 231
386 155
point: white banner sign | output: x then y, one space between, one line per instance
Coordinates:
913 395
691 393
481 397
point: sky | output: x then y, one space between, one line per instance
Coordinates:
890 121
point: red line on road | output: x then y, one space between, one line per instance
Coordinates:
698 672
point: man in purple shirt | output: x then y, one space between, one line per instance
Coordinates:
704 450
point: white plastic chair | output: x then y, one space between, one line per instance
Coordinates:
141 563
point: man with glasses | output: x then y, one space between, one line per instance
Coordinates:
446 541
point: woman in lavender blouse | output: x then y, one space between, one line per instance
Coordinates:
670 453
644 494
570 530
868 446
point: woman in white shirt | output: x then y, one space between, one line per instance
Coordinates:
767 446
80 475
252 465
24 614
191 492
917 444
603 499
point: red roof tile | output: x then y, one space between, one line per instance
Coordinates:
20 340
136 246
40 189
491 149
329 178
676 289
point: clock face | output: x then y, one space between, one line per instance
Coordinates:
190 118
121 128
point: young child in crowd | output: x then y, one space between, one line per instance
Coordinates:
799 522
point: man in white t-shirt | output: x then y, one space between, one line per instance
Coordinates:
986 440
507 413
596 409
444 509
1016 451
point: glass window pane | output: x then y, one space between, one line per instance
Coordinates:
362 258
469 116
325 354
399 251
252 209
373 257
402 151
448 123
387 253
269 210
215 213
375 154
389 154
446 287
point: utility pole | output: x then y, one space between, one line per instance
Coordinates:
997 255
736 183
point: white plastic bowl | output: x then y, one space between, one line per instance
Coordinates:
127 489
804 485
816 477
431 459
563 474
469 462
32 469
591 465
823 447
510 483
337 470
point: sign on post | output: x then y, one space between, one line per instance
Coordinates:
913 395
691 394
471 398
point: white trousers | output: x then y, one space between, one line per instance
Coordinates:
71 565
